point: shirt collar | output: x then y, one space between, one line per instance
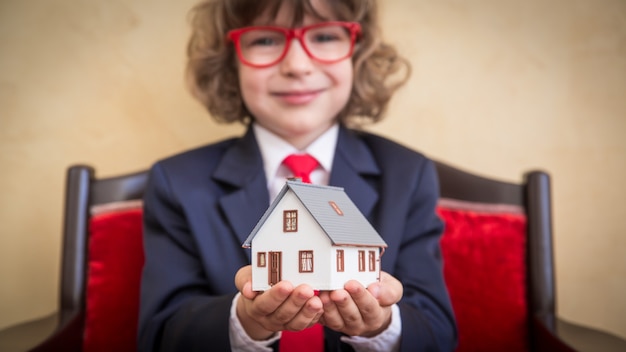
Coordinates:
275 149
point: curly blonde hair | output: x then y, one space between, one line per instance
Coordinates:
212 74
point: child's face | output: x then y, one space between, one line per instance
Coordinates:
298 98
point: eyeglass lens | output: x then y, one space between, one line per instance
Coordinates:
326 43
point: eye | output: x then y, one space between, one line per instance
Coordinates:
263 41
262 38
328 34
325 37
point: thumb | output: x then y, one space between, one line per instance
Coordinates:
243 280
387 291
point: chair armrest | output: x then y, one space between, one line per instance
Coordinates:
24 336
566 336
545 337
44 334
584 338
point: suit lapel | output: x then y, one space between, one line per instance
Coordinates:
242 169
352 164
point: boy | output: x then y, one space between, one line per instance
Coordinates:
298 73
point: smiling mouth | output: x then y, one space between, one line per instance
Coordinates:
297 97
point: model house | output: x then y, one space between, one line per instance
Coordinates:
315 235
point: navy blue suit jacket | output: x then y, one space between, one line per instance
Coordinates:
200 206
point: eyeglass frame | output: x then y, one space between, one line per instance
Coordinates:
234 36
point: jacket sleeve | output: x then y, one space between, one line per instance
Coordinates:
409 220
178 311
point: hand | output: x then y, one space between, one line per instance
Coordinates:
357 311
282 307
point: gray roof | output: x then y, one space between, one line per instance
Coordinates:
350 229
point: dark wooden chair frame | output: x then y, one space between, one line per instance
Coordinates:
547 331
63 329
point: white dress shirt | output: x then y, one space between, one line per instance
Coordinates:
273 151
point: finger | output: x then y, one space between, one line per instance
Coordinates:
253 327
316 319
307 316
375 317
388 291
296 302
243 282
348 310
266 303
331 317
367 305
244 274
247 292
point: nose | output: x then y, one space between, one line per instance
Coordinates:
296 61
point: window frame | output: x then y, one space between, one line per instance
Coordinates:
290 220
340 261
261 260
305 262
361 260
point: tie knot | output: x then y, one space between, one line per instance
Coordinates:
301 165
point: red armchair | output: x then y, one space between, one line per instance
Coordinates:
100 269
499 266
497 249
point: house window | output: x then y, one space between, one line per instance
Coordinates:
306 261
361 260
290 221
372 257
260 260
336 208
340 260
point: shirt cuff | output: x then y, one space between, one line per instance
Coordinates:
239 339
388 340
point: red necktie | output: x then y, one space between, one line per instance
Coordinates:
310 339
301 165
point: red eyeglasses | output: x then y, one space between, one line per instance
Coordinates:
264 46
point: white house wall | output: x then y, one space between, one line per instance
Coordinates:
271 238
351 267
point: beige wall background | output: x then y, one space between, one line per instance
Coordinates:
498 87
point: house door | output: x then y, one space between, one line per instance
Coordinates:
275 267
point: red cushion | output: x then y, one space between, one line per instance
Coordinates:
485 271
114 275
